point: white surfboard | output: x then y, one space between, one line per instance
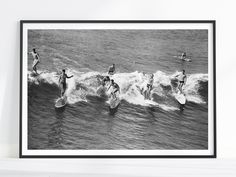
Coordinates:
61 102
114 103
180 98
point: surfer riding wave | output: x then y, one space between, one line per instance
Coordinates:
182 80
115 89
36 61
62 82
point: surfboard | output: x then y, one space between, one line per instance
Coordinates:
187 59
111 73
61 102
114 103
180 98
184 59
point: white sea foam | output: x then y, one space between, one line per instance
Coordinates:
131 86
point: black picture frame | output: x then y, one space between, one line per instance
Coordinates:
211 22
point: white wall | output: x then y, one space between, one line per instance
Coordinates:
222 11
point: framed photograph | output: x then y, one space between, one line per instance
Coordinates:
112 89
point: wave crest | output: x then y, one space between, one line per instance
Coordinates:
131 85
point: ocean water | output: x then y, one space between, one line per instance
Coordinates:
87 122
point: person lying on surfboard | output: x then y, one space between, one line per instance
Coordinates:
62 82
182 79
183 56
115 87
111 69
36 61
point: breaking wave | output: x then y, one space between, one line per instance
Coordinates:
131 86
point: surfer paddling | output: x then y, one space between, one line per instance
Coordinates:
111 69
62 82
183 56
115 87
36 61
182 79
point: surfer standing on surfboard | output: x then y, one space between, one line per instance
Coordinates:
111 69
149 86
62 82
36 59
115 87
182 79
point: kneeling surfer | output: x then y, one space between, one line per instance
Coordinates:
111 69
62 82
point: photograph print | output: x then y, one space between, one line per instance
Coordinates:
117 89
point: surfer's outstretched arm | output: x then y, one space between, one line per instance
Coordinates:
69 76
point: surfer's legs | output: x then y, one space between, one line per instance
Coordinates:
34 66
148 91
180 86
148 94
62 93
34 69
63 89
114 93
145 92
